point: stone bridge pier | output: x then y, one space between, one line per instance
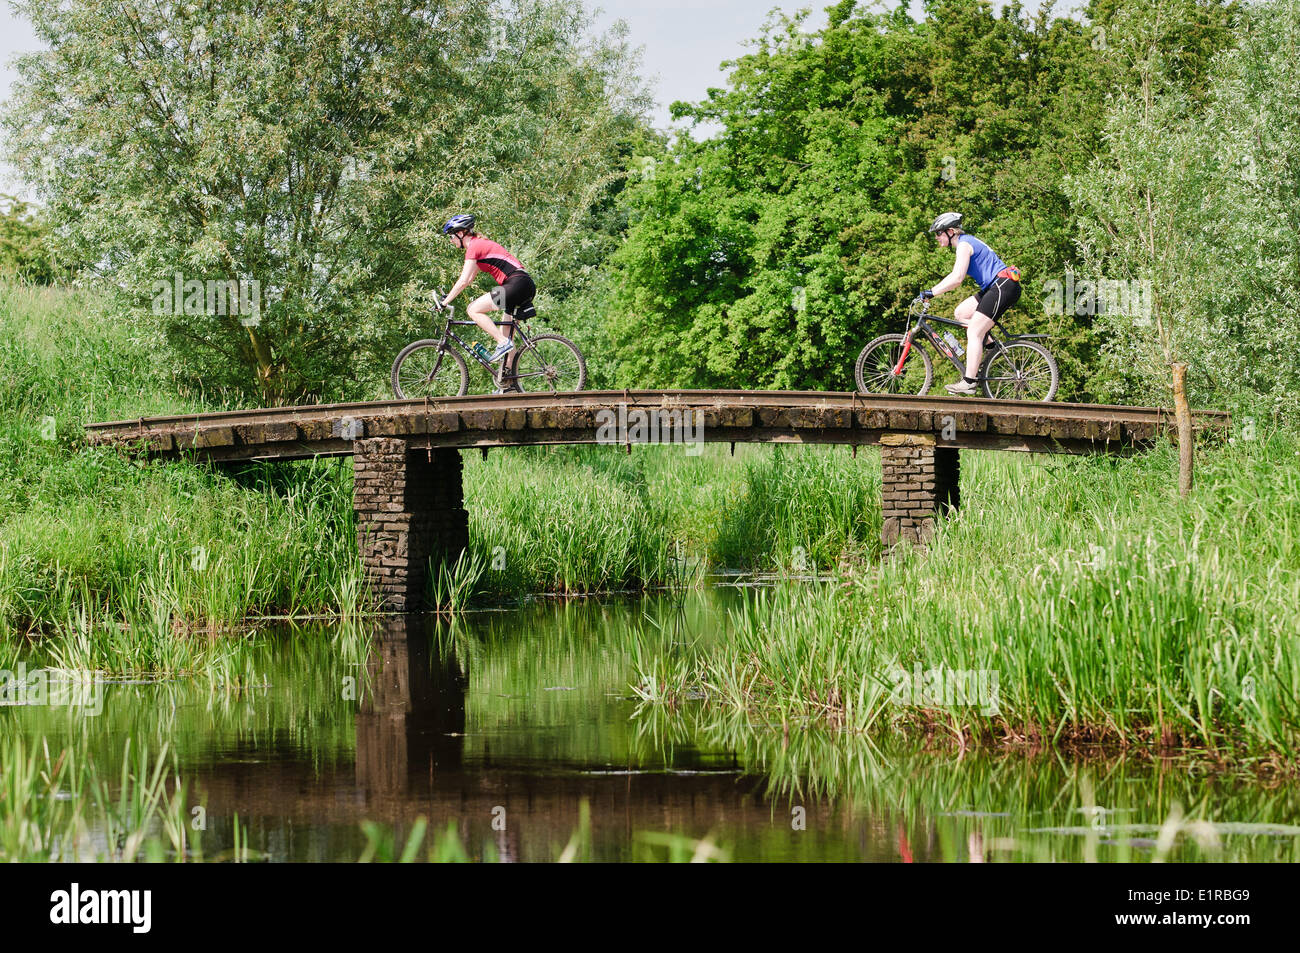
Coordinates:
920 484
410 508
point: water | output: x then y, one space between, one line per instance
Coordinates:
504 724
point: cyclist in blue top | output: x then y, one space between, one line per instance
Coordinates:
999 289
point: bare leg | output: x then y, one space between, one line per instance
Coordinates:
975 332
479 312
977 326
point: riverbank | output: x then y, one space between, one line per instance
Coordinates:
1071 603
1101 608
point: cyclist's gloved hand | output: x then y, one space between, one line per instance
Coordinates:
444 303
926 295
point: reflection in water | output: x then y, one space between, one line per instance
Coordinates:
412 717
504 723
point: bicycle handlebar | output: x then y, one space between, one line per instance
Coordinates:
438 305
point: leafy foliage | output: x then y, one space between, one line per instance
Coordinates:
767 255
770 253
25 251
1195 194
313 146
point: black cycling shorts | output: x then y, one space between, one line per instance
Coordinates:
518 290
994 300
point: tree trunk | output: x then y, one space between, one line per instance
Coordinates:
262 354
1183 417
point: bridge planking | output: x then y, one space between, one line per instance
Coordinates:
729 416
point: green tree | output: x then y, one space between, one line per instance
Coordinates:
767 255
1196 194
1248 326
313 146
25 247
1143 202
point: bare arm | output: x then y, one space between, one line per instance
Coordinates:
464 281
958 273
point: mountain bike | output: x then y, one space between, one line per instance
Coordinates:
435 367
1016 368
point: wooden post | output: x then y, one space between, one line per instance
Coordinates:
1183 417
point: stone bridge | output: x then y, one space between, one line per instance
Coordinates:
406 455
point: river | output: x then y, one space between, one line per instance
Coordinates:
520 730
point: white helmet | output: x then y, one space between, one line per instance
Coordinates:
946 221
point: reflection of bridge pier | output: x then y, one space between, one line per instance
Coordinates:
412 715
413 759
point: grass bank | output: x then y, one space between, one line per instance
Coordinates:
114 558
1093 604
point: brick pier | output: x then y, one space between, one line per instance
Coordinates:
920 483
410 510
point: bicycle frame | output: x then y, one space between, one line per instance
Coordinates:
450 337
922 327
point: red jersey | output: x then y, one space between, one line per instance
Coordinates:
492 258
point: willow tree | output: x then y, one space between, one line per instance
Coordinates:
311 147
1140 205
1249 337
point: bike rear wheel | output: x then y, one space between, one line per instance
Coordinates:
550 364
875 368
1021 370
429 369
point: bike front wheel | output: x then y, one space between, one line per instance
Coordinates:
878 363
429 369
1021 370
550 364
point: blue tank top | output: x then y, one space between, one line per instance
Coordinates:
984 263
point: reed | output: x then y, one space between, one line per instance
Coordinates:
1107 611
55 805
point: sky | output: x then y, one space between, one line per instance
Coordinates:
683 42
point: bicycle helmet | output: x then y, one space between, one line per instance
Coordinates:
459 223
946 221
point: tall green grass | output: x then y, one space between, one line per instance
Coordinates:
1111 612
579 519
55 805
93 542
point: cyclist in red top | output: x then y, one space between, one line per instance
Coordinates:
514 285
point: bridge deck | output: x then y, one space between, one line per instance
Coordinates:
288 433
409 506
